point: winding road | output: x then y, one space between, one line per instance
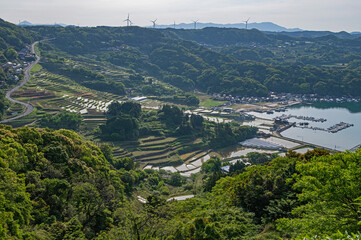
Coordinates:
28 107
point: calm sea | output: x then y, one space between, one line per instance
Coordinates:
334 113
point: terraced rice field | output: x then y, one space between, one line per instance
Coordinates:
64 93
163 153
156 151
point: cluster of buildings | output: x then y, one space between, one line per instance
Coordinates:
238 99
14 69
283 98
25 54
331 99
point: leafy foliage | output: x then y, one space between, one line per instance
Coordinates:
53 185
62 120
12 36
330 193
122 121
54 179
3 104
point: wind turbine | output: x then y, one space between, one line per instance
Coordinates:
195 23
154 22
128 21
247 22
174 24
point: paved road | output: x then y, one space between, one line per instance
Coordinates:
28 107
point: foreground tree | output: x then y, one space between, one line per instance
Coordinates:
330 196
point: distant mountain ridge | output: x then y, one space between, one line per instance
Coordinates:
267 27
29 24
263 26
316 34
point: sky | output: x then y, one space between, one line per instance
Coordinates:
331 15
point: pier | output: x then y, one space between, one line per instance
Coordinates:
355 148
305 118
333 129
338 127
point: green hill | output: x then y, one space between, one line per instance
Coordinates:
167 55
12 36
219 36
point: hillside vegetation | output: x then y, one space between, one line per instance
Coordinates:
12 39
249 63
12 36
53 185
214 60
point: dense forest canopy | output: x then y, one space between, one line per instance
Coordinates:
56 179
12 36
3 105
249 63
66 120
53 185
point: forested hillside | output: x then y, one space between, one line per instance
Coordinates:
12 39
3 105
213 60
53 185
180 63
249 63
219 36
12 36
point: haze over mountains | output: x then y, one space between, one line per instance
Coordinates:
29 24
263 26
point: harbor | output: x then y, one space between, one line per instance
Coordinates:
341 131
333 125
